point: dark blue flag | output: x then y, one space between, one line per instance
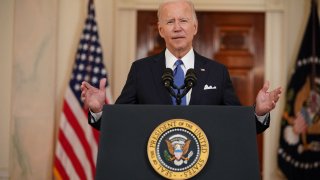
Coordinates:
299 151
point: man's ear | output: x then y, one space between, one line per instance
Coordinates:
160 30
195 28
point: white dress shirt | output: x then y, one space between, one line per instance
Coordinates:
188 62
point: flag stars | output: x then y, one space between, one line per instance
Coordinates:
296 163
88 26
86 78
306 61
90 58
94 80
98 60
94 28
87 37
81 67
77 87
299 63
92 48
94 38
91 7
96 70
83 57
85 47
89 68
79 77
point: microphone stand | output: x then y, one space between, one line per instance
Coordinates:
178 96
173 94
185 87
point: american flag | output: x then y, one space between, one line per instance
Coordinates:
77 143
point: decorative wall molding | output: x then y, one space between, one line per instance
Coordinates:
275 5
213 5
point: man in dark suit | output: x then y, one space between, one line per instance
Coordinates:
177 24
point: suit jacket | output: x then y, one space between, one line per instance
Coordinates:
144 85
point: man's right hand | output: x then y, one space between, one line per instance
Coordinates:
92 97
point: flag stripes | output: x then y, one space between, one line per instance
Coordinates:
80 152
72 155
79 113
78 131
62 173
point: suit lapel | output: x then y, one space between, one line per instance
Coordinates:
157 68
201 71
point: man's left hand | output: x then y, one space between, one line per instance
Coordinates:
266 101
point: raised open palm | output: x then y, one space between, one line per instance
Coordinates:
266 101
92 97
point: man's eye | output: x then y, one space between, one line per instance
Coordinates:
169 22
184 20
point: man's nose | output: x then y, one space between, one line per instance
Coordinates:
177 26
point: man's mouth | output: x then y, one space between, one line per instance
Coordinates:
178 37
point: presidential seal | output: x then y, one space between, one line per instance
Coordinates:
178 149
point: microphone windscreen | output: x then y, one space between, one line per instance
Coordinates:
191 78
168 71
167 77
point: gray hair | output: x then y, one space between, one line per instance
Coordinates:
194 15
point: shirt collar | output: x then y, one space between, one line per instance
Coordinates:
188 59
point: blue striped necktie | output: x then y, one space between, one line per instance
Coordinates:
178 78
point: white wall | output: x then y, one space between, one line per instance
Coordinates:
6 38
33 88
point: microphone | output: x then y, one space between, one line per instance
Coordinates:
190 79
167 78
189 82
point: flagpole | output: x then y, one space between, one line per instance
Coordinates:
91 3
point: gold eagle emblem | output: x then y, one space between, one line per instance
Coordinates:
178 147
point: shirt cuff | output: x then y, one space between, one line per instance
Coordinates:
263 119
95 116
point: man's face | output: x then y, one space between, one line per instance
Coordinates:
177 26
